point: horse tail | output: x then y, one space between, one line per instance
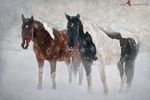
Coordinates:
138 42
112 35
104 31
137 45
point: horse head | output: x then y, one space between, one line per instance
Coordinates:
73 26
27 31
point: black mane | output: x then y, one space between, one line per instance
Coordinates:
81 32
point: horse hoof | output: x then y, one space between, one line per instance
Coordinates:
39 87
120 91
80 83
70 81
89 90
127 89
106 92
54 87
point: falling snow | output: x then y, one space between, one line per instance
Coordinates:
18 67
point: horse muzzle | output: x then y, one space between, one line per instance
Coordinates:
24 45
25 41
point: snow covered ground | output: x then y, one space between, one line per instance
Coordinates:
19 79
18 67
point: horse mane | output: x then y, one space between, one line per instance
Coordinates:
40 26
39 23
81 32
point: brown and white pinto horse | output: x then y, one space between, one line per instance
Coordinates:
47 48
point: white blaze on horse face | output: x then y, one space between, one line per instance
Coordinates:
27 26
72 24
49 30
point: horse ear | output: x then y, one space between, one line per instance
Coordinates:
23 18
78 16
32 18
67 16
86 32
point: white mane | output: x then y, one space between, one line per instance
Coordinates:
49 29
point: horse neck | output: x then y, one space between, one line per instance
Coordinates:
39 33
81 32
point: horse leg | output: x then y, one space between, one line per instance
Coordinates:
77 63
40 72
121 71
103 75
80 71
53 73
69 67
40 61
87 68
129 70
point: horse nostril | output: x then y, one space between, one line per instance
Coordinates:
24 46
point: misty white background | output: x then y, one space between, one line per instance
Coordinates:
18 67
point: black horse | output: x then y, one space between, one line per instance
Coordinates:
76 34
87 49
73 29
129 52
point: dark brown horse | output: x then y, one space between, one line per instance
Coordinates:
47 48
